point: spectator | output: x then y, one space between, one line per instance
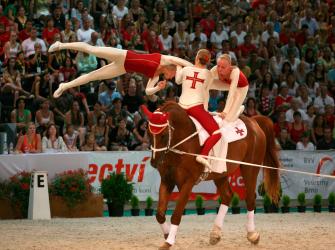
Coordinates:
120 10
323 99
303 98
166 39
25 33
141 137
207 24
311 115
52 142
217 36
305 144
294 108
200 35
42 87
44 117
38 62
76 12
285 142
68 70
30 142
291 46
117 112
250 109
170 23
21 18
153 44
29 45
239 34
12 81
58 18
84 33
226 50
269 32
12 47
76 118
181 38
71 138
132 101
329 116
328 142
312 86
318 128
90 144
282 101
100 131
119 137
92 116
67 32
106 98
49 32
4 38
21 116
266 101
310 21
297 128
86 63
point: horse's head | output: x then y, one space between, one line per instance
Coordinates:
160 131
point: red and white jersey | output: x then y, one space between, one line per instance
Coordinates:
195 82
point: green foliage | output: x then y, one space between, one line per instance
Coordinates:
149 202
116 189
301 199
317 199
219 200
266 201
134 201
18 189
235 201
331 199
72 185
286 200
4 190
199 201
261 189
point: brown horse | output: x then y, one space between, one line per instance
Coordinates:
170 126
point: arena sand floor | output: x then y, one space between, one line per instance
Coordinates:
278 231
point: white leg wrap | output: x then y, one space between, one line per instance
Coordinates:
220 216
251 221
165 227
172 234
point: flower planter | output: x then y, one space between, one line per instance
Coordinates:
301 209
115 211
184 211
7 211
148 212
201 211
285 210
135 212
235 210
331 208
317 208
271 209
92 207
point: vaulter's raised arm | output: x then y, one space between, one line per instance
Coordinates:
151 88
175 60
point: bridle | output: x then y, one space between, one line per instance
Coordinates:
168 147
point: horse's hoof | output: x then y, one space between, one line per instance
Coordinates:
215 235
253 237
165 246
165 236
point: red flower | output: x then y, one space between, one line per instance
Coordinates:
25 186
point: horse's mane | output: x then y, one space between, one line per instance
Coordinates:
171 106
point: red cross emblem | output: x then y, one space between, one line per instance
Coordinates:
195 79
239 131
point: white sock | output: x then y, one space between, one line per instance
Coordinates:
165 227
172 234
220 216
251 221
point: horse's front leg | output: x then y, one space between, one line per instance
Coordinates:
177 214
164 194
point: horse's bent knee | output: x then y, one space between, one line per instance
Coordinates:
160 217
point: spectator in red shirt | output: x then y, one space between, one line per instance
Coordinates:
301 37
49 32
282 101
4 19
207 24
129 34
246 48
153 44
25 33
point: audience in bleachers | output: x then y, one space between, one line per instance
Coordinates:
285 48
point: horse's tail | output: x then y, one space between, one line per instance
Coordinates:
271 159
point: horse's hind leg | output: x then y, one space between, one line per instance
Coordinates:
226 193
249 175
164 193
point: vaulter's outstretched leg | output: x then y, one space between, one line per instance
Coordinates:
107 72
109 53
